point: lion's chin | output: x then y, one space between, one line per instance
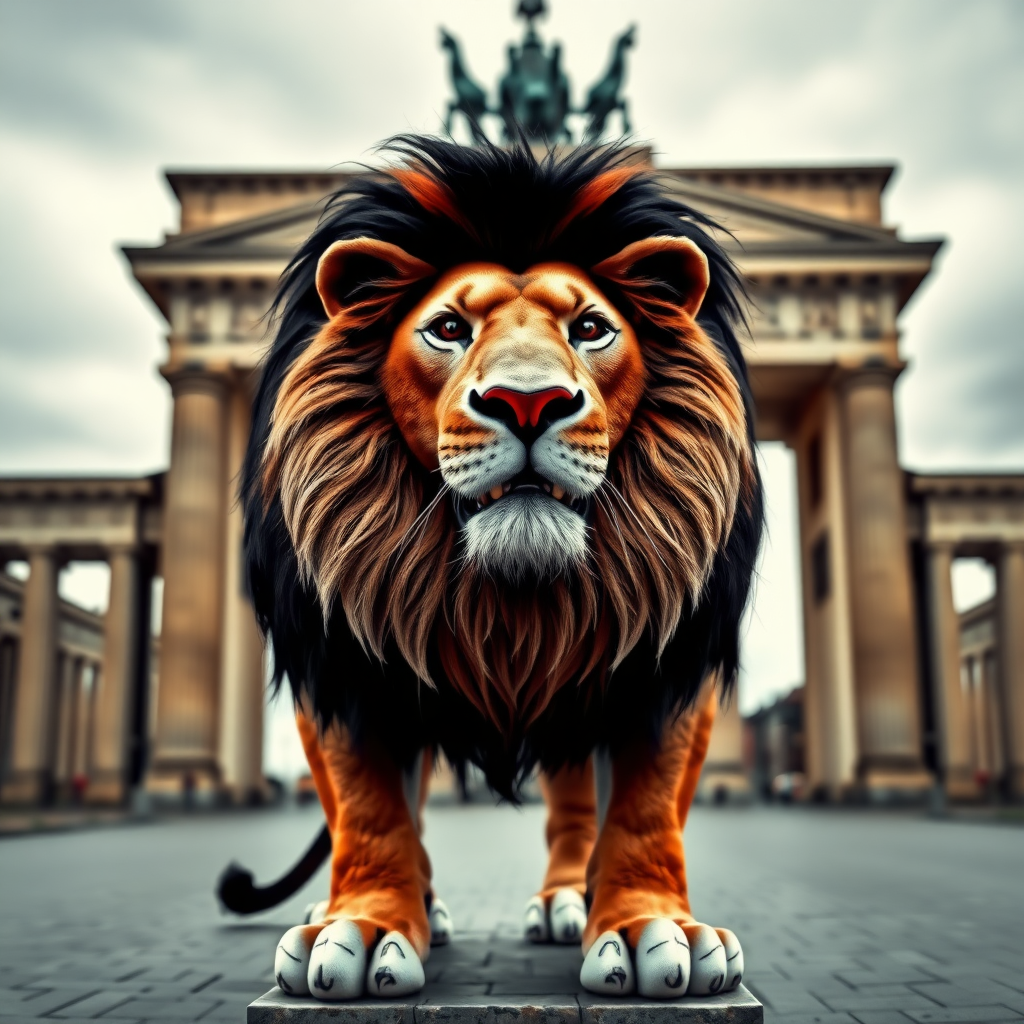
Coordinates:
525 536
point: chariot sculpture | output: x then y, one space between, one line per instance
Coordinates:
534 94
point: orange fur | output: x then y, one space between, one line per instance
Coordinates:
380 873
637 871
571 829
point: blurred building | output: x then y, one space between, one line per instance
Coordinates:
773 740
828 280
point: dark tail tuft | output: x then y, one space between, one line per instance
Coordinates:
238 893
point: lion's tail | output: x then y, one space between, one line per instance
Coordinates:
237 893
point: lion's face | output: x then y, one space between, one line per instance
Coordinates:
516 386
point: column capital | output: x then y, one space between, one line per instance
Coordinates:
869 374
193 378
132 548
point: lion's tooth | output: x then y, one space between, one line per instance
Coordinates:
496 492
546 486
482 499
506 487
557 492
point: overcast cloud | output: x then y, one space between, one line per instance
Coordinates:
97 97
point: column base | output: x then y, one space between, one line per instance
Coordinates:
27 788
107 788
180 783
886 785
960 784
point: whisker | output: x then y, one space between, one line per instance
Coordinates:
629 508
420 521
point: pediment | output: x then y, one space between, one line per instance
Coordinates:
274 234
756 222
753 228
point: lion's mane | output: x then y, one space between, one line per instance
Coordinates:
352 547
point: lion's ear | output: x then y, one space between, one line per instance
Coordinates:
660 270
363 276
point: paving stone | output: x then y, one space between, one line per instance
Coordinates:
162 1009
901 999
94 1005
47 1002
881 1017
965 1014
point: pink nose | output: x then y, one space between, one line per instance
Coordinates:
527 405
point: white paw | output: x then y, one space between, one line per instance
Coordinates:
291 960
707 961
662 961
567 916
535 920
395 969
733 959
607 968
337 963
441 927
315 912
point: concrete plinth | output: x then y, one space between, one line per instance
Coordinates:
483 980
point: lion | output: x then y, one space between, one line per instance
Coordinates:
502 504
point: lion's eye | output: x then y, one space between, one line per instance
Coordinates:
592 332
448 327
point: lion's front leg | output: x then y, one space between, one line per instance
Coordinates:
375 933
558 912
640 932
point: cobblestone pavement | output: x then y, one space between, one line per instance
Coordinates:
850 917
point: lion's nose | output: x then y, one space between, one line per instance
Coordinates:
527 413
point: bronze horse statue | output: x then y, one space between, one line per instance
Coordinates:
604 97
471 100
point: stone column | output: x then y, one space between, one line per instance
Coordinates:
723 776
115 699
952 713
65 704
28 777
185 746
830 727
242 688
881 592
1010 626
86 680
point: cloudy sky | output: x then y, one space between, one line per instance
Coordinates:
98 97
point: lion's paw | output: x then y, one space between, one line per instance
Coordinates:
607 969
315 913
563 920
331 963
291 959
441 927
670 961
395 969
337 962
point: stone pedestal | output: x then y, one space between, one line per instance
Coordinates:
28 778
487 980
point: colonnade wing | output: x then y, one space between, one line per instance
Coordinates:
75 683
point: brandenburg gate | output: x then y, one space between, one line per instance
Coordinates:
884 705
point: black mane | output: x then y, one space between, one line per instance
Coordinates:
511 205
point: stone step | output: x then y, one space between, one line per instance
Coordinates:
499 980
